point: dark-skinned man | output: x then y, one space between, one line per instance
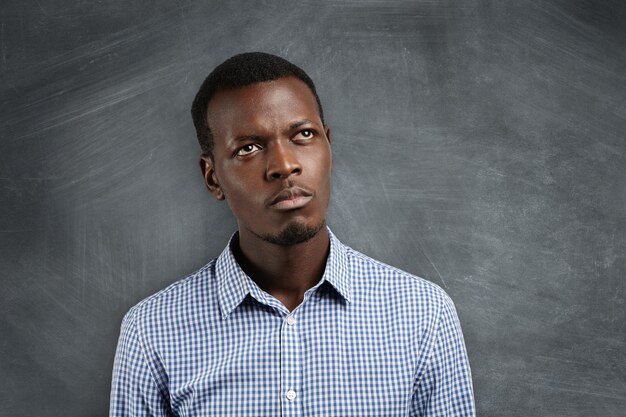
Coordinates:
287 321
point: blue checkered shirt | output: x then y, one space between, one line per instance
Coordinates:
368 340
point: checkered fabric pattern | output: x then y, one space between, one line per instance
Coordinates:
368 340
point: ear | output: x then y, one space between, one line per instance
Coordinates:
327 131
332 162
207 168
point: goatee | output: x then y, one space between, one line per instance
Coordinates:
294 233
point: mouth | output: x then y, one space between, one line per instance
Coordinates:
291 199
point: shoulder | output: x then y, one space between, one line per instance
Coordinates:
377 280
179 301
407 303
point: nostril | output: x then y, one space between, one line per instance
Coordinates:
282 164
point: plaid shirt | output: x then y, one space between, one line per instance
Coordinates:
368 340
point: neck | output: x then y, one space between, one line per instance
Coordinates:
285 272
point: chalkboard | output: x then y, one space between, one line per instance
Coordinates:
478 144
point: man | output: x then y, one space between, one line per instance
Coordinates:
287 320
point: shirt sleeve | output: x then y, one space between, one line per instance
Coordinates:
445 389
134 390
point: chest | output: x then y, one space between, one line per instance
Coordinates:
305 364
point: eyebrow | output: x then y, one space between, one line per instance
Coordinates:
299 123
253 138
246 137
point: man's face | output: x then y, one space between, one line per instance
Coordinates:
271 159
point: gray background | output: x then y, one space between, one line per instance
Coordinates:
477 144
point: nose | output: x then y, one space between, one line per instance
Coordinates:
282 162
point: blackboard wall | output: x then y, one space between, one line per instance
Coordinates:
478 144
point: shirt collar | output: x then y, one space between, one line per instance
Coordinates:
234 285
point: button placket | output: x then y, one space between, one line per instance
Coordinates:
291 366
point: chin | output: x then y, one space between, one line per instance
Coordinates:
293 233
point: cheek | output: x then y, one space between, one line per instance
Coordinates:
232 185
326 163
237 193
323 174
319 159
242 202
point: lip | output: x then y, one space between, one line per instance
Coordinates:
291 199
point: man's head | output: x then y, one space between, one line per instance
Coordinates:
269 156
239 71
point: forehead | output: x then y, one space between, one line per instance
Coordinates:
263 104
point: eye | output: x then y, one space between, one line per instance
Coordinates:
248 149
307 134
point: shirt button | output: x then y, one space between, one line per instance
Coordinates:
291 321
291 395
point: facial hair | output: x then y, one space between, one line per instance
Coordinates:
294 233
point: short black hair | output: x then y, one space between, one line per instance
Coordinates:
239 71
